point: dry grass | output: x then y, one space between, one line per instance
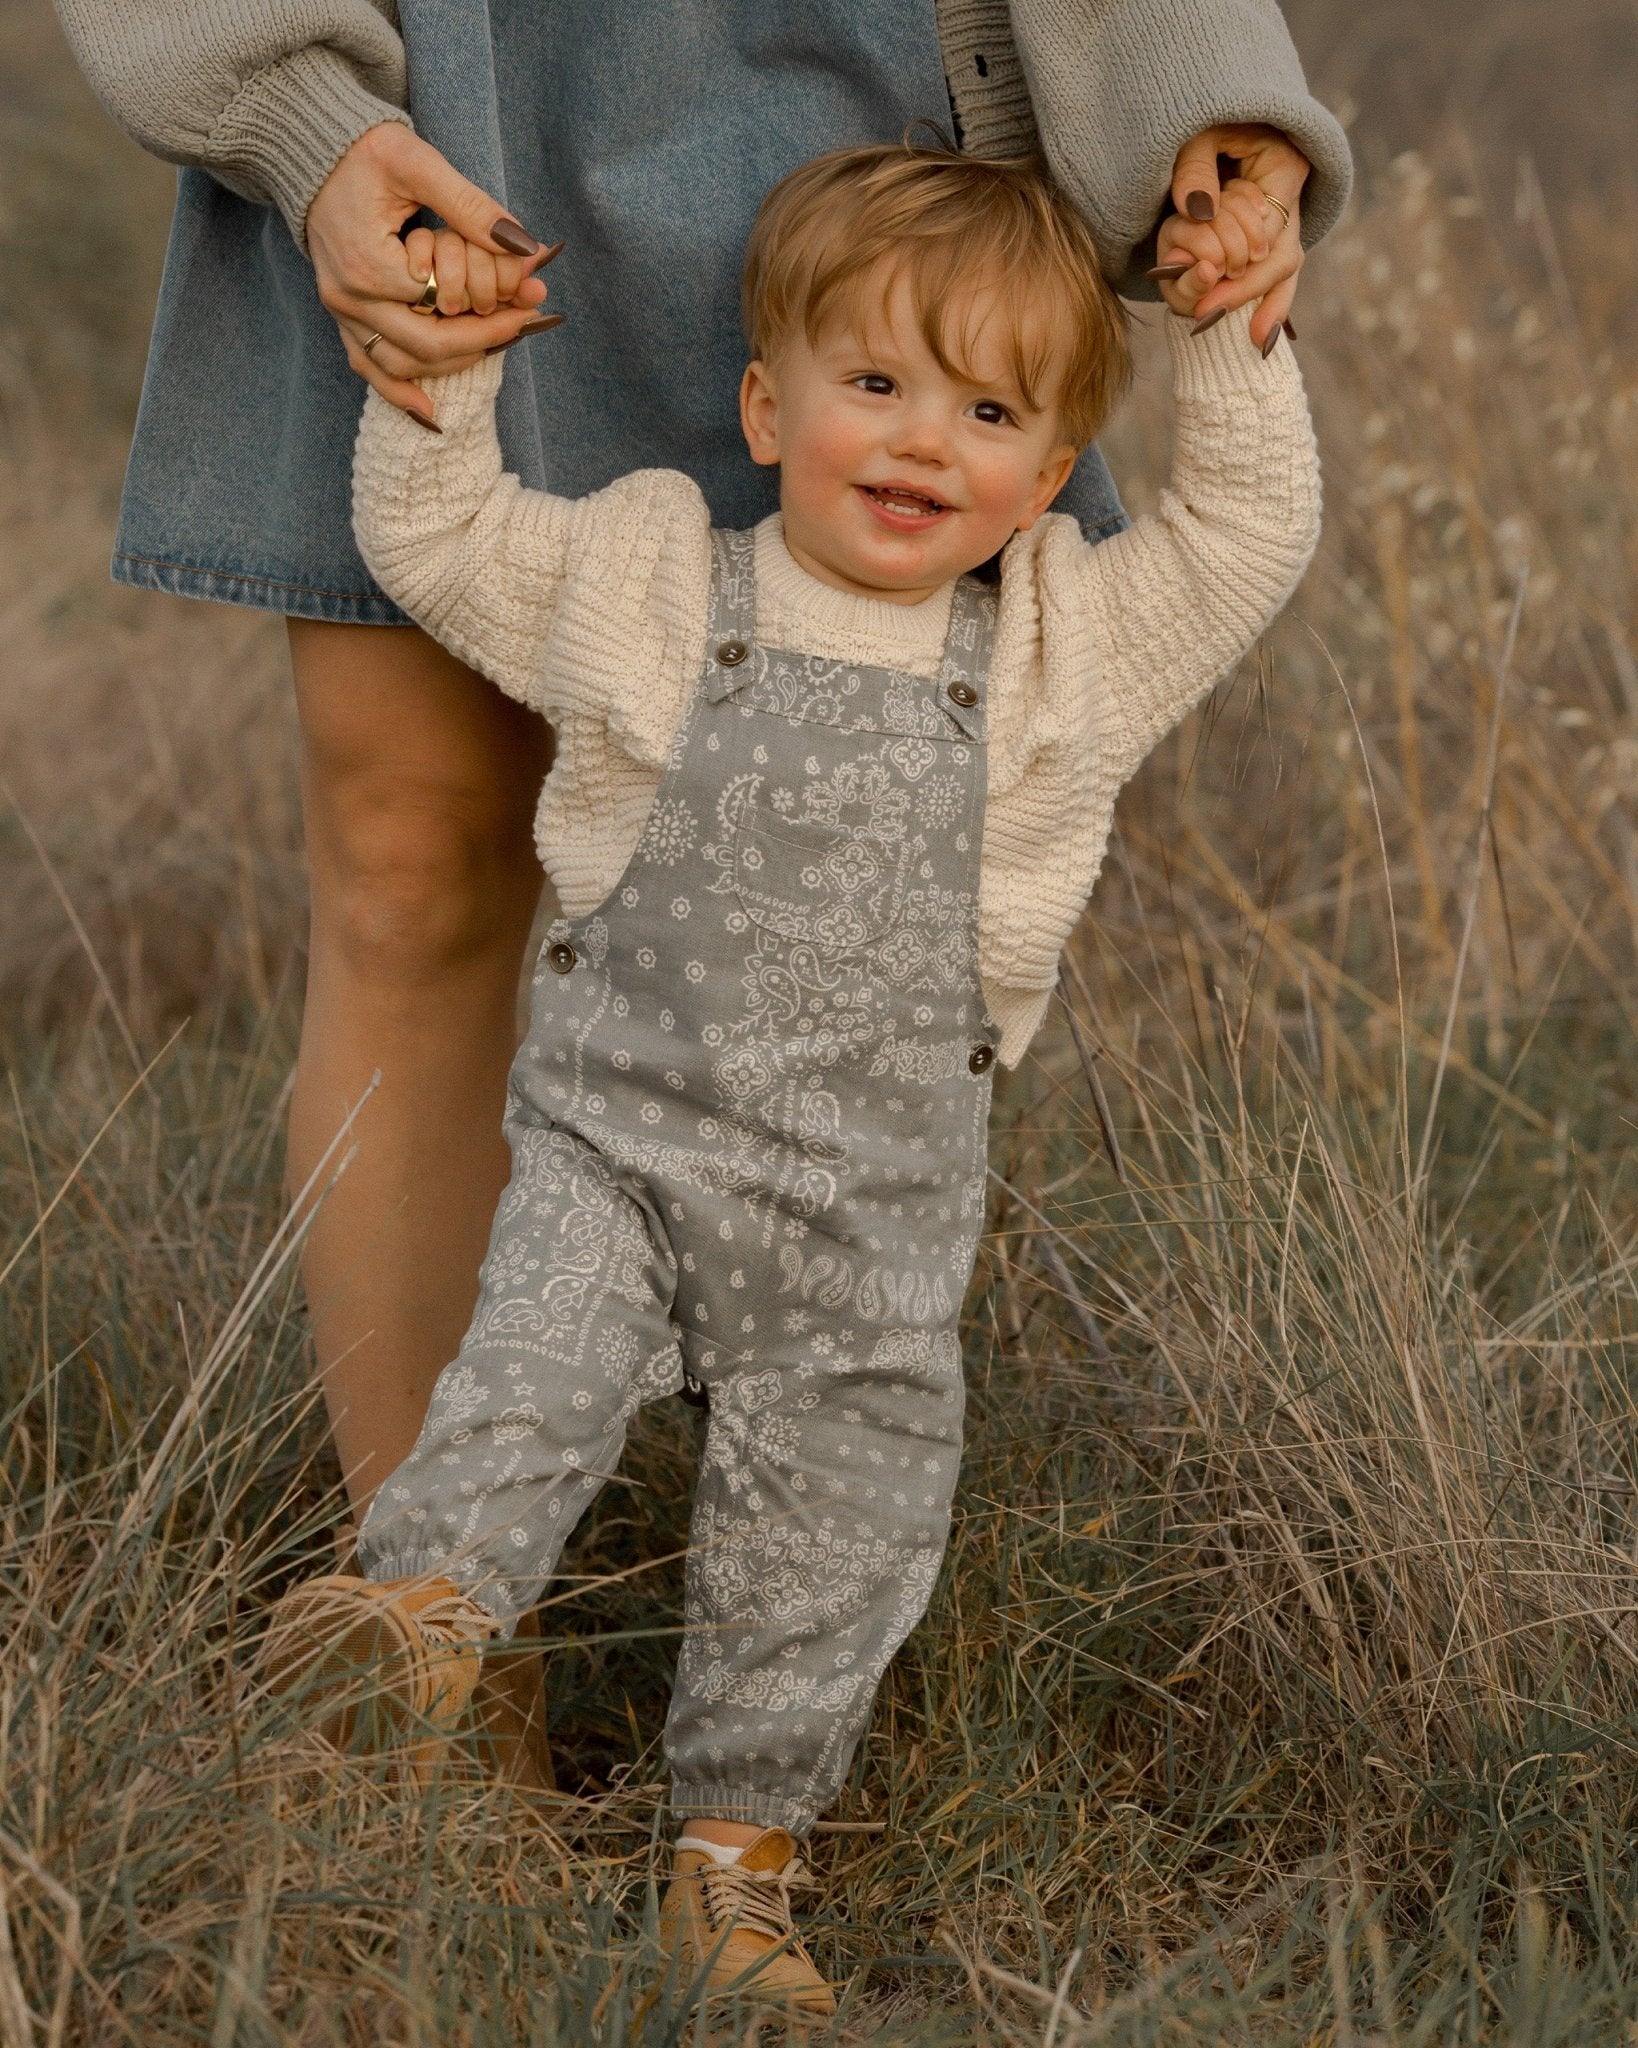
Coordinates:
1283 1683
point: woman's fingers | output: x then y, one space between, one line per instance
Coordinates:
1190 261
363 268
1279 268
392 370
435 183
515 282
1273 163
1260 283
1272 315
1195 187
415 346
370 272
398 391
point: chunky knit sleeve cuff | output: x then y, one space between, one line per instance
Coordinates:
1119 86
266 95
1019 1012
286 129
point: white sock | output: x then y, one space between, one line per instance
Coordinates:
719 1852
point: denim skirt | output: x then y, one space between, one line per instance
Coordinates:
643 135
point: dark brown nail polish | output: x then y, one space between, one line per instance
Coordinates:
513 236
548 255
1211 320
1165 272
1200 206
543 325
421 420
1290 332
1271 344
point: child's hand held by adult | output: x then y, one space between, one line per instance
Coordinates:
370 279
1257 218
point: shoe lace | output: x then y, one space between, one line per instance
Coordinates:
455 1621
759 1901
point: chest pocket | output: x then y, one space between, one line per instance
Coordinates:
814 884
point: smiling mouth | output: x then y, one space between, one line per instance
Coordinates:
906 504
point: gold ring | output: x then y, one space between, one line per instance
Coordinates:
369 346
428 301
1279 207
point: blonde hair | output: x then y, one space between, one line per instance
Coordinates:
945 223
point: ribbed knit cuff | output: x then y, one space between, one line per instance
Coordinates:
387 435
427 1564
286 129
795 1812
1018 1011
1224 362
463 399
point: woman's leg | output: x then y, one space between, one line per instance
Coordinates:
419 781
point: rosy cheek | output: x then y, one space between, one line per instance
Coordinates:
995 486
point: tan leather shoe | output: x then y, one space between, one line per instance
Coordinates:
509 1702
394 1663
733 1921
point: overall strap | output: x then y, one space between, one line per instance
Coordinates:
966 668
731 635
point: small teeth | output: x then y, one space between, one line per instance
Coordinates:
904 500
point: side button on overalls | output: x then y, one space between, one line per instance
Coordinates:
748 1136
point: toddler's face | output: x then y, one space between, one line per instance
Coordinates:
895 474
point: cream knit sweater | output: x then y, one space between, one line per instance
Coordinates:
594 611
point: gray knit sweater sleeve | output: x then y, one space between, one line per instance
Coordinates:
267 95
1114 89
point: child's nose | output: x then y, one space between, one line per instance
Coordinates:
922 435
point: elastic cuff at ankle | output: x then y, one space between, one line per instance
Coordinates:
759 1809
427 1564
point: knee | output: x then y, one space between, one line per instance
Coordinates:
409 890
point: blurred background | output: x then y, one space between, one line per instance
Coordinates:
1283 1685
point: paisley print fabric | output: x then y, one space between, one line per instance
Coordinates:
747 1130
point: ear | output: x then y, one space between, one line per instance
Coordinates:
759 414
1054 475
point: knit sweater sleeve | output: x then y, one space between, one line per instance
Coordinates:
1118 86
1169 606
267 95
588 607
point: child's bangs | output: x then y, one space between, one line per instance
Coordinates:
953 302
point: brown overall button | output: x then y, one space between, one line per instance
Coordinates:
982 1057
561 957
965 695
732 652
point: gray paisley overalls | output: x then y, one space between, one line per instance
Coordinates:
747 1131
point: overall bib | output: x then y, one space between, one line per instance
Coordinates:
748 1141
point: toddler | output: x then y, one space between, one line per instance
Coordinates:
826 806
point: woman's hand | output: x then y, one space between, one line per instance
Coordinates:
1261 246
369 279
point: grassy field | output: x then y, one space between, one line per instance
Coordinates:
1282 1686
